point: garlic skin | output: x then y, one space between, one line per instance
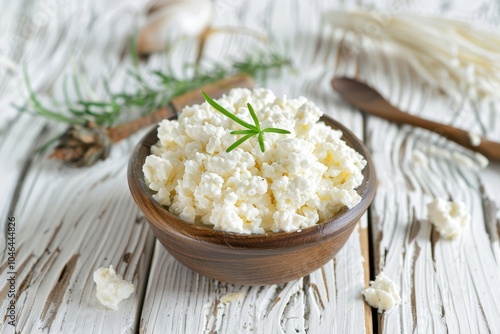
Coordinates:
450 55
170 19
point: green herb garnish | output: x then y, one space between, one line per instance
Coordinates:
253 130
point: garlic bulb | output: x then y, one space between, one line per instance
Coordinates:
451 55
171 19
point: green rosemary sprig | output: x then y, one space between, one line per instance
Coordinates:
252 130
93 124
149 96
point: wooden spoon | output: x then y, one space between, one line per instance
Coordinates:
370 101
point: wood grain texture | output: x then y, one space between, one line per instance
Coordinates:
445 285
180 301
70 222
66 220
367 99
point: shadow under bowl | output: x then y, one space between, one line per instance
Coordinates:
250 259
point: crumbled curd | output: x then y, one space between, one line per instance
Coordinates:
449 218
111 288
382 293
300 179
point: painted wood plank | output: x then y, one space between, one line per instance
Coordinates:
329 300
68 219
180 301
445 285
63 243
56 279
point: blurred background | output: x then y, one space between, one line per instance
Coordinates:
56 37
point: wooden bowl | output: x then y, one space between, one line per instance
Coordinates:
255 259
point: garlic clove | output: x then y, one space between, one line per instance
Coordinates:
169 20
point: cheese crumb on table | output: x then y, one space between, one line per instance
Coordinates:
449 218
475 139
301 178
111 288
382 293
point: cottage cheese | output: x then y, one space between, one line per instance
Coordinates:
111 288
450 218
300 179
382 293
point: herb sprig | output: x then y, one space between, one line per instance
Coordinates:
252 130
93 123
151 93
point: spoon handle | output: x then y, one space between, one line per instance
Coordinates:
370 101
457 135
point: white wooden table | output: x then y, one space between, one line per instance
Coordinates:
69 222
